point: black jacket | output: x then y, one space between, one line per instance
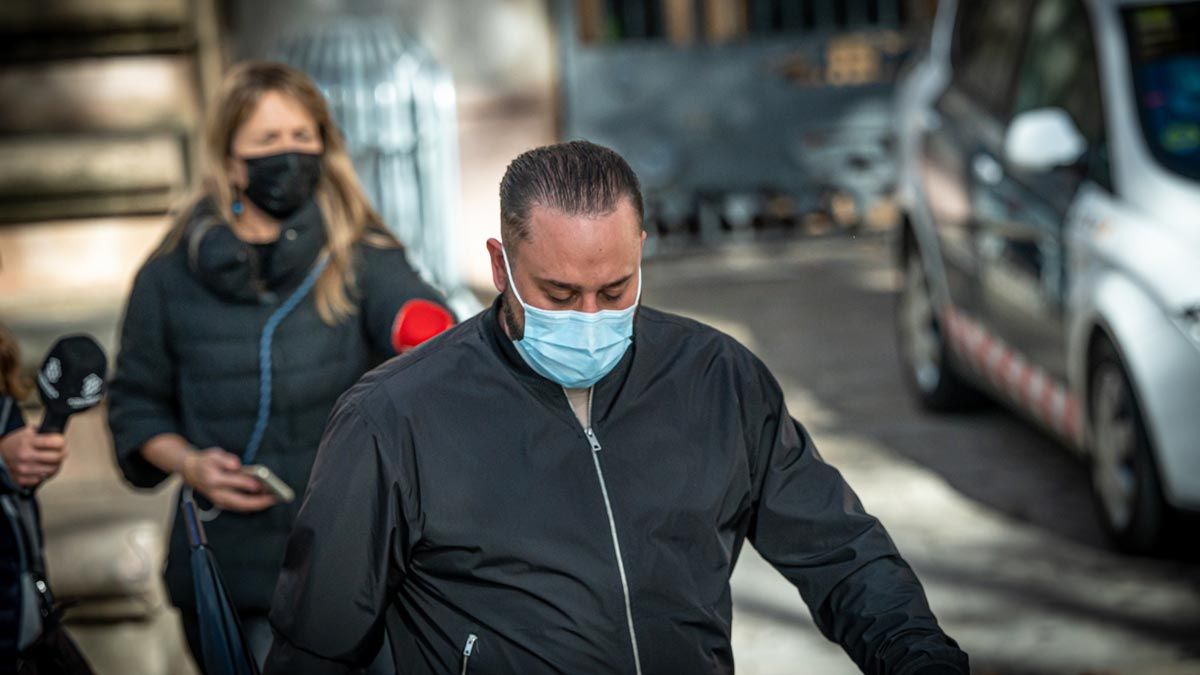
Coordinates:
456 495
189 364
15 558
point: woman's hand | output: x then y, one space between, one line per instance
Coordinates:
32 458
218 476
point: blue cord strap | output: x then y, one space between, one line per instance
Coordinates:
264 357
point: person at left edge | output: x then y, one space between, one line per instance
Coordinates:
280 264
33 640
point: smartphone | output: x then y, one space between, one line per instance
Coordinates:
273 484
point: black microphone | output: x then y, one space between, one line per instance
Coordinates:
71 380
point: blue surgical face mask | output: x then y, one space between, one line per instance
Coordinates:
574 349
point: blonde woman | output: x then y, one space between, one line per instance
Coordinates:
274 291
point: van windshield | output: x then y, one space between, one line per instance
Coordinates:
1165 52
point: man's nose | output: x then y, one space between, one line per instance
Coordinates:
590 303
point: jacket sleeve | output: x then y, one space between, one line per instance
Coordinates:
345 556
386 282
13 422
142 395
811 527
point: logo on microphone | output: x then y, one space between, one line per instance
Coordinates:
92 386
49 377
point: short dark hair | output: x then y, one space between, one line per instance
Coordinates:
576 177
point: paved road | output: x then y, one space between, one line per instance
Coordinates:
994 516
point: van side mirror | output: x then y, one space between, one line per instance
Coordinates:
1042 139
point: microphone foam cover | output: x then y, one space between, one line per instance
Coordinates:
416 322
71 379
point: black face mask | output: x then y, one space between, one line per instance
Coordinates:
280 184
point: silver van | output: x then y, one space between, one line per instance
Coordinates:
1049 161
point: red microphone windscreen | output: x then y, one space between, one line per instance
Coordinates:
416 322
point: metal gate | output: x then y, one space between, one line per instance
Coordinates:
738 115
396 108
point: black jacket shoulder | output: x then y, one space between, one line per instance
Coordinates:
403 382
165 267
666 332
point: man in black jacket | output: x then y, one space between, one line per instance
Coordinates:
563 483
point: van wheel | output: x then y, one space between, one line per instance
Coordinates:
1125 481
924 353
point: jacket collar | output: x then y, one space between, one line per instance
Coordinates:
604 392
229 266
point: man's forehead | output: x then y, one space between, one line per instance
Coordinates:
571 234
580 248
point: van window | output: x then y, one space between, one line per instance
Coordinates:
1165 55
1060 70
987 42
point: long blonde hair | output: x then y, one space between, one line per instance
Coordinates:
348 215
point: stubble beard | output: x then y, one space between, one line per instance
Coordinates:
515 330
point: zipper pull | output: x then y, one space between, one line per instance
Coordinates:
591 436
470 647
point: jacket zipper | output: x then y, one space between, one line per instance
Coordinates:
467 650
612 527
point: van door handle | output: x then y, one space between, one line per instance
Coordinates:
987 169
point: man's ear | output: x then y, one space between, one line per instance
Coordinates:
496 256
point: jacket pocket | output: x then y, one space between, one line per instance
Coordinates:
468 649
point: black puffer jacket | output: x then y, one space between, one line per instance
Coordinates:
189 364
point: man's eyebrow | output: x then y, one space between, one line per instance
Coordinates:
562 285
623 280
